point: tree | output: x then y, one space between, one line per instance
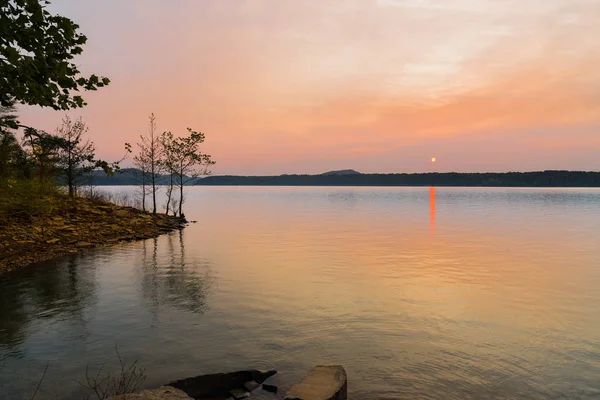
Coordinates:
36 53
8 118
168 164
64 155
186 160
150 146
11 154
13 160
108 169
76 155
140 160
44 152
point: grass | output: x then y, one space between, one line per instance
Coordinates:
27 199
129 378
102 385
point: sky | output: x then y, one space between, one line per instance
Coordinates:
307 86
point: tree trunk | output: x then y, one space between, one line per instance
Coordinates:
153 189
91 183
168 201
181 195
70 173
70 183
169 193
143 190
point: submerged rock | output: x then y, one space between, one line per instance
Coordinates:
239 394
251 385
323 382
269 388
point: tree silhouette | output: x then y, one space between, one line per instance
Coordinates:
185 160
36 53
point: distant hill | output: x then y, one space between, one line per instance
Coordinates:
508 179
342 172
126 176
129 176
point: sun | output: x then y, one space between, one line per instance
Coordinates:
433 159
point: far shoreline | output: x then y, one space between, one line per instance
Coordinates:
376 186
539 179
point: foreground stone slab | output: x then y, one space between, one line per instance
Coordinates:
162 393
323 382
219 385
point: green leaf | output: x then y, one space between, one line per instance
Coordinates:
38 48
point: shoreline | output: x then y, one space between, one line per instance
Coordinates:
75 225
322 382
541 179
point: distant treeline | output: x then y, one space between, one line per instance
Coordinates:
516 179
126 176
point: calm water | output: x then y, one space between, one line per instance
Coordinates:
430 293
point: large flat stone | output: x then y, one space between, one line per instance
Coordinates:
162 393
323 382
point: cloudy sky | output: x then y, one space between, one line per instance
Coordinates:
305 86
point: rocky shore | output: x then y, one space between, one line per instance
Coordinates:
323 382
73 225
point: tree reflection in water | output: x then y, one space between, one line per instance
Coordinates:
65 291
69 311
60 291
170 278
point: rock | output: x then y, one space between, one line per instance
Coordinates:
251 385
121 213
115 227
239 394
53 241
321 383
162 393
261 376
219 385
269 388
83 244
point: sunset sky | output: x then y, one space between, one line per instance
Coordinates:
306 86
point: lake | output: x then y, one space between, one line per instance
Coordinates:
441 293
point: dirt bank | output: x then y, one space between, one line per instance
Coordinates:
73 225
